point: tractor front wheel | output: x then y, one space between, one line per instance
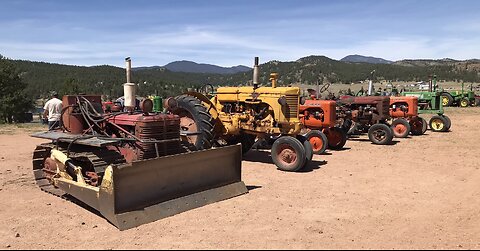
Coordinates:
318 140
424 126
308 150
447 99
380 134
337 138
288 154
401 128
417 124
449 122
438 124
246 140
464 102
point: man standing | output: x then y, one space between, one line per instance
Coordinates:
53 110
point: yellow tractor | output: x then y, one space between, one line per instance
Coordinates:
235 115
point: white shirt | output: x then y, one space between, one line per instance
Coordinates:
54 107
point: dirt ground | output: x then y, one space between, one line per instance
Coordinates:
421 193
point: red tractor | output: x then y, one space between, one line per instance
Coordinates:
367 114
319 118
404 113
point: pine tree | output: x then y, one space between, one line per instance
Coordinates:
14 102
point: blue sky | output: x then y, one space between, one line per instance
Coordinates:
231 33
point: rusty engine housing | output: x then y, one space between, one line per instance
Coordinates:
366 110
158 127
145 128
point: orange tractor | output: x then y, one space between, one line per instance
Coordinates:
404 113
319 119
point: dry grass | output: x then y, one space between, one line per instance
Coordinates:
21 128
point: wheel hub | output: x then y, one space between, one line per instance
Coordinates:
189 125
379 135
400 129
316 143
445 100
287 154
437 124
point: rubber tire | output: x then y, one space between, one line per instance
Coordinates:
342 142
477 102
449 122
416 131
405 123
321 136
246 140
425 126
467 102
299 150
308 150
346 126
386 129
442 119
202 118
450 98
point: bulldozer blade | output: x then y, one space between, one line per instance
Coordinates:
145 191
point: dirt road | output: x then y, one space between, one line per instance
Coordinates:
422 192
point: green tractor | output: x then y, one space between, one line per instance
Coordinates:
462 98
431 102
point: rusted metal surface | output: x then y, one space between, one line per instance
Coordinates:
365 109
68 138
72 119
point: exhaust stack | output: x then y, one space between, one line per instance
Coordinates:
129 88
370 83
255 74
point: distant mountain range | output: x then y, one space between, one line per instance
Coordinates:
365 59
192 67
169 81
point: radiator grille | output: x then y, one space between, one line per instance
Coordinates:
292 106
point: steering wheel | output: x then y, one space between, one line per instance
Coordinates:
324 87
204 89
360 93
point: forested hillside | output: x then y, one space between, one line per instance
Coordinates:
66 79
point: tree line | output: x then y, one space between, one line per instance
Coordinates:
22 81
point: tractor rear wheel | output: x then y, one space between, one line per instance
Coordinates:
318 140
401 128
380 134
196 124
447 99
464 102
438 124
337 138
288 154
417 124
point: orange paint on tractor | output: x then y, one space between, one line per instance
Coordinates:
403 107
318 114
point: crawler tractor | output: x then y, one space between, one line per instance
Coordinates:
319 118
242 114
131 166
